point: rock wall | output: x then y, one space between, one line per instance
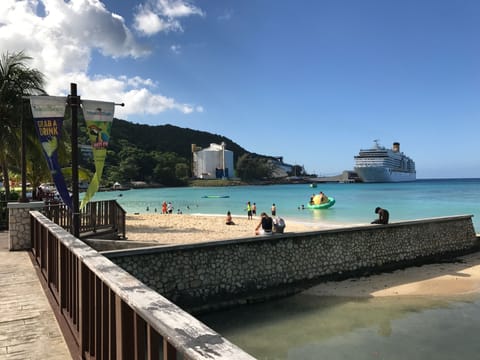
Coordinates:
204 276
19 224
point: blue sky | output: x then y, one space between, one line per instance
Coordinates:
310 80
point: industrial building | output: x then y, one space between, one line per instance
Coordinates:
214 162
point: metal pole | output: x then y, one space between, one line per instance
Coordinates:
74 103
23 196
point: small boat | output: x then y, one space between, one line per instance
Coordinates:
330 203
313 185
215 196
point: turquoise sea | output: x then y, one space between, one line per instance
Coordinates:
355 203
308 327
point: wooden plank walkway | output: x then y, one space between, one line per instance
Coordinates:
28 327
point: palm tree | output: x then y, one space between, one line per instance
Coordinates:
16 81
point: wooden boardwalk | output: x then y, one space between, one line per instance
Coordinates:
28 327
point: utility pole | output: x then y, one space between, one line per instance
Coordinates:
23 197
74 103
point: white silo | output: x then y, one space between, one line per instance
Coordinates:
213 162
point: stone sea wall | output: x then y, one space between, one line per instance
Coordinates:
19 224
208 275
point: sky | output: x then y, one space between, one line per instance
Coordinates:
313 81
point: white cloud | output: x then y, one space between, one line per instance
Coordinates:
138 98
149 23
161 15
61 38
177 8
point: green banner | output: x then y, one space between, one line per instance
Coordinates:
98 118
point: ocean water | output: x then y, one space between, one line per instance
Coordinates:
308 327
355 203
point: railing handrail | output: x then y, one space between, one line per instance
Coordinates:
113 314
95 216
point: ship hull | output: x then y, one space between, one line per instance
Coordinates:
383 174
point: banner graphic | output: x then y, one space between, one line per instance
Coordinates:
48 113
98 118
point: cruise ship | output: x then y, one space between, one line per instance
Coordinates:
379 164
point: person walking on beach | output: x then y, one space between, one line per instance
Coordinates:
254 209
164 207
274 210
383 216
265 225
249 211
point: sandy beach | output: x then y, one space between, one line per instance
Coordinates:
461 276
185 228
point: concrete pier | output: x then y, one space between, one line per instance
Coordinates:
28 327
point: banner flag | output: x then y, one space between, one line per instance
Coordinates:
98 118
48 114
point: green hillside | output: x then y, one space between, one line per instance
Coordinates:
167 138
159 154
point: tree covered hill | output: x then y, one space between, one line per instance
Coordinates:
159 154
167 138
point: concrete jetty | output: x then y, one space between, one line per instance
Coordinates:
28 327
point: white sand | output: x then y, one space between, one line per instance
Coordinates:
183 228
443 279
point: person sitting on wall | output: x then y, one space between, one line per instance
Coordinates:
383 216
278 225
265 225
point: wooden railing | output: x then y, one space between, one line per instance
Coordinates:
96 216
111 314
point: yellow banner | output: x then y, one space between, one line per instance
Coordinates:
98 118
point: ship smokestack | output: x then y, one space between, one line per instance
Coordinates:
396 147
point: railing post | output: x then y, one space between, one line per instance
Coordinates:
83 299
154 341
118 327
169 352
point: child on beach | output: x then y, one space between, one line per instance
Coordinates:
228 220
